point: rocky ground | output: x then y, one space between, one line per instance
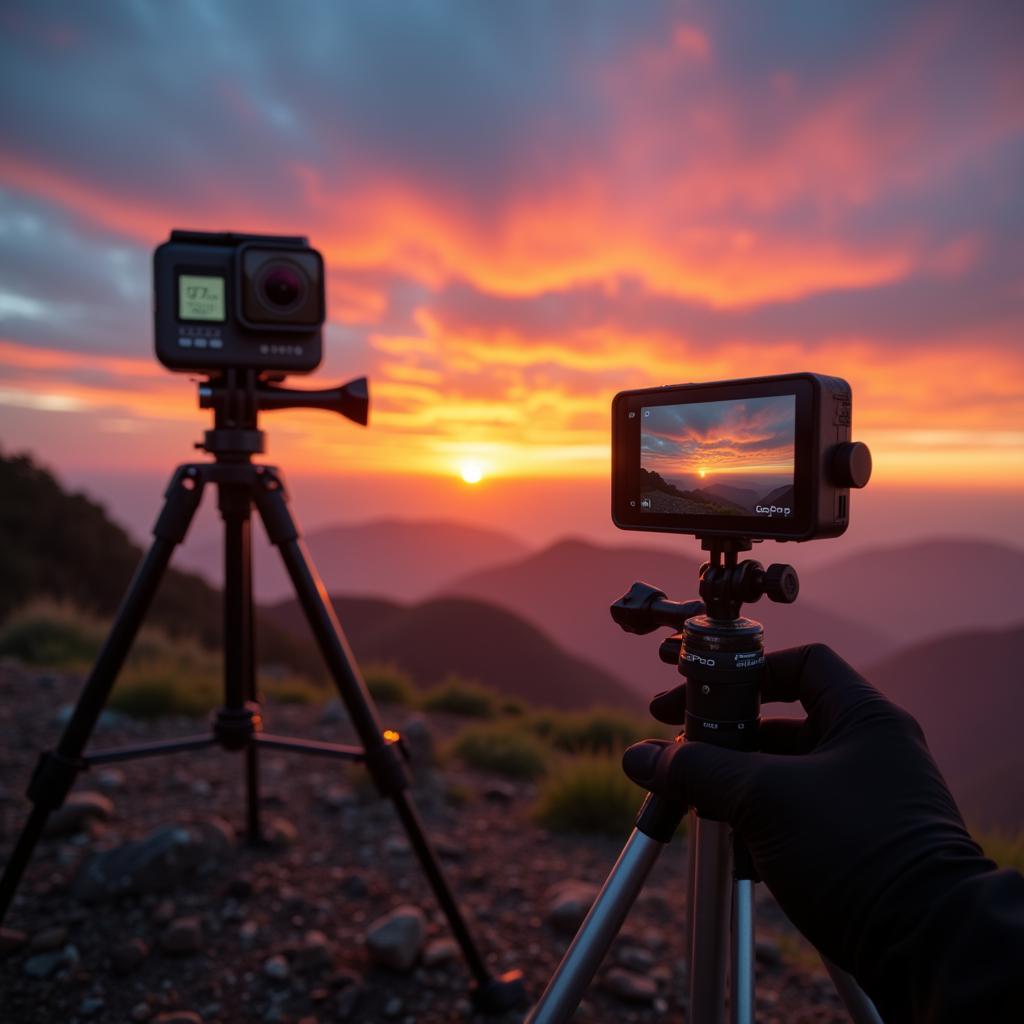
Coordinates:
145 904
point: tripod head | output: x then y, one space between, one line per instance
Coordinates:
720 652
238 396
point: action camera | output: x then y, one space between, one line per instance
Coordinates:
761 458
252 302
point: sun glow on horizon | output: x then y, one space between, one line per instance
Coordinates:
471 472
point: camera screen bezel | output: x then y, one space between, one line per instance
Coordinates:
626 458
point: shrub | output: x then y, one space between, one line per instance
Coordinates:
600 731
502 748
291 689
51 635
589 794
460 696
152 689
388 684
1005 848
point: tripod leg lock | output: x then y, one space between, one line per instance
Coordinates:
272 502
659 818
181 501
53 778
387 768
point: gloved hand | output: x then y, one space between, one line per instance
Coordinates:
848 822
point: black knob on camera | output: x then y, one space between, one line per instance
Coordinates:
781 583
851 464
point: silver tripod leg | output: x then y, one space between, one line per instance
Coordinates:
858 1004
709 913
741 982
598 931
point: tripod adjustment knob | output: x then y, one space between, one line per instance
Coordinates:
781 583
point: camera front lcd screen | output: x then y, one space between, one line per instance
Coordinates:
201 297
732 458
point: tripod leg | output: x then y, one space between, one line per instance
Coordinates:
741 980
656 824
383 760
709 920
235 503
57 769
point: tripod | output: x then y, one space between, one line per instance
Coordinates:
721 654
236 399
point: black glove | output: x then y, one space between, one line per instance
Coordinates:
850 824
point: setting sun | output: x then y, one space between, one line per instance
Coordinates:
702 472
471 472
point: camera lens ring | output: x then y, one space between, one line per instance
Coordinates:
281 287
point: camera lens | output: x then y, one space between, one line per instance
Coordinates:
282 287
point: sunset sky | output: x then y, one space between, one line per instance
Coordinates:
524 208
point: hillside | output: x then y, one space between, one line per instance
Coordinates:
472 639
919 591
566 590
65 547
395 558
965 690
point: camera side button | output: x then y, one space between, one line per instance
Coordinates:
185 342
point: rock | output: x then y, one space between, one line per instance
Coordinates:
182 937
126 957
141 1012
280 833
44 964
449 849
248 932
315 953
440 951
333 711
336 797
11 940
395 940
633 958
418 740
77 811
348 1001
155 863
393 1007
500 793
49 938
110 778
629 987
276 969
397 846
568 904
768 953
355 886
91 1005
178 1017
108 718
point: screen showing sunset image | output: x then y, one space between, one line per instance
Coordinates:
731 458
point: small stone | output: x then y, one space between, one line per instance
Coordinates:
333 711
348 1001
568 905
11 940
49 938
276 968
418 740
393 1007
77 811
335 798
90 1005
396 846
182 937
43 964
500 793
201 788
629 987
110 778
126 957
314 953
395 940
767 953
280 833
141 1012
633 958
248 932
164 911
355 886
440 951
178 1017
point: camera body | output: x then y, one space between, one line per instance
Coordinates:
242 301
758 458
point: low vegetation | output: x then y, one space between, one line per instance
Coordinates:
504 748
588 794
388 684
1005 848
458 696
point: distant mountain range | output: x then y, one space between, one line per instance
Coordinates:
965 690
472 639
395 558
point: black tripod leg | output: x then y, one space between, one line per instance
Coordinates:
382 758
57 769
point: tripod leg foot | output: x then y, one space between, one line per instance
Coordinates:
500 994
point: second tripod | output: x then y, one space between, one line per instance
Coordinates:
721 654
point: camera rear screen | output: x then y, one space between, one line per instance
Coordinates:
732 458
